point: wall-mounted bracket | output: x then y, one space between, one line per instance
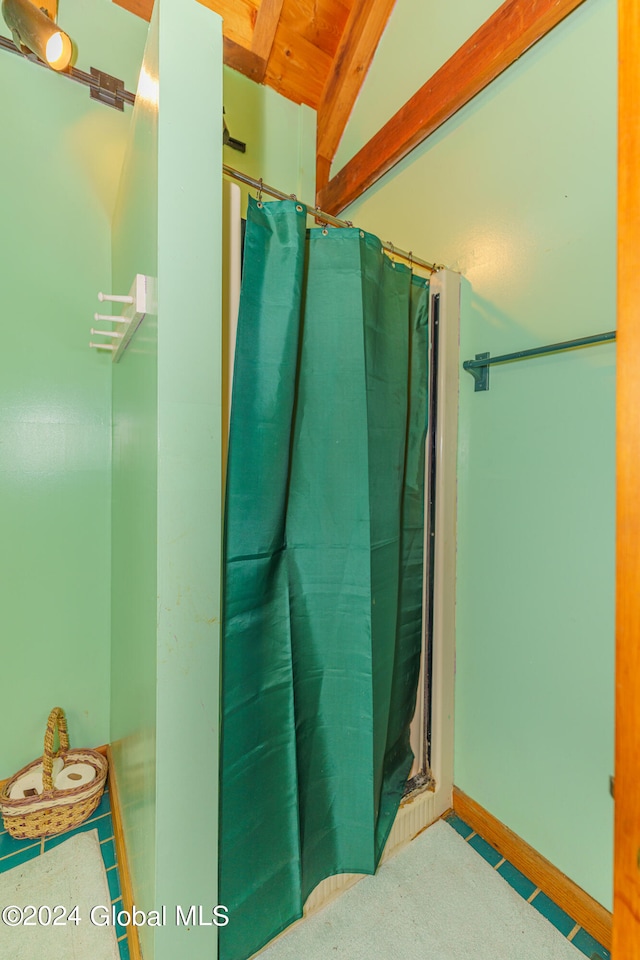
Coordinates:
139 302
107 89
479 371
228 140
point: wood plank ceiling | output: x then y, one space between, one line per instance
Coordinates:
311 51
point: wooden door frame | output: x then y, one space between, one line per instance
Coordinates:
626 912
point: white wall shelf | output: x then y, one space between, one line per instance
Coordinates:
135 307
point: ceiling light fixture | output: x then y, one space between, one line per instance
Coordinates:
34 30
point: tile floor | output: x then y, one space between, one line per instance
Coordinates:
14 852
528 890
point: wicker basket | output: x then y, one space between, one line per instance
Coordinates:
50 811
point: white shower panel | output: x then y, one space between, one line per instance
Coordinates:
231 279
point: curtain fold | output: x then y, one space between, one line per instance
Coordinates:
323 565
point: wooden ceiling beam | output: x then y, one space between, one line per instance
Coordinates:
264 32
362 32
245 61
501 39
323 171
141 8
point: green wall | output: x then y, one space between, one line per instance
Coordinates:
59 167
517 192
280 136
167 479
419 38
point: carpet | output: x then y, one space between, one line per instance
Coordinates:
70 875
436 900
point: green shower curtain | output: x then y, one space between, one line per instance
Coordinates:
323 565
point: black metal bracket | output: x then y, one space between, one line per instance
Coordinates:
238 145
107 89
228 140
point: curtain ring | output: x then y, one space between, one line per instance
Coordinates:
260 193
349 223
411 259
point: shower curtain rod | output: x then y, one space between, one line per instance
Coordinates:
479 368
324 217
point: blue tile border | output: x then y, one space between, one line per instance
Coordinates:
9 846
114 883
124 950
553 913
19 857
586 943
486 851
546 907
109 853
517 880
13 853
118 906
459 826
